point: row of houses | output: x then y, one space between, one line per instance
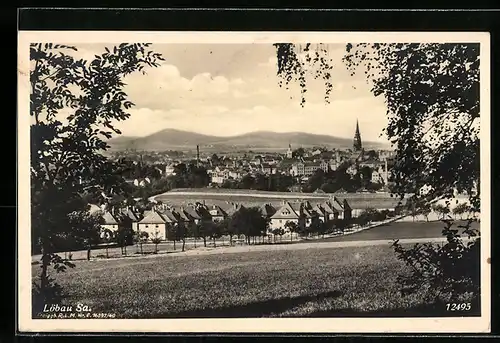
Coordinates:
157 221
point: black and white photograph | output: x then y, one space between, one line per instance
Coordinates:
263 177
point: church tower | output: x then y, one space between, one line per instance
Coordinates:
357 139
289 153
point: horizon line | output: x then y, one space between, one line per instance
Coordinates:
246 133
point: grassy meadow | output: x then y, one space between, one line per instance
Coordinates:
351 281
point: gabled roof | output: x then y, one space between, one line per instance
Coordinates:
191 212
220 211
285 212
319 209
109 219
267 210
329 208
152 217
130 214
346 205
233 209
337 204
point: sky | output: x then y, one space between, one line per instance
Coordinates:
231 89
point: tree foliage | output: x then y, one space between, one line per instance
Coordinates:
74 106
432 96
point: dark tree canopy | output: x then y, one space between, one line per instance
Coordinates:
432 97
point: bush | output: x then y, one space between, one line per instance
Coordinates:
445 272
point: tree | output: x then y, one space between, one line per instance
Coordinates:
156 239
277 232
66 150
460 210
292 227
441 209
124 236
432 95
249 221
425 209
298 153
107 236
141 237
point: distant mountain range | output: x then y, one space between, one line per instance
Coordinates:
171 139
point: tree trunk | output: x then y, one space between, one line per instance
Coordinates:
88 253
195 242
174 244
291 236
141 249
44 280
107 255
125 249
231 240
204 241
156 248
214 242
183 243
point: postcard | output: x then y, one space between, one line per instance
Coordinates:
253 182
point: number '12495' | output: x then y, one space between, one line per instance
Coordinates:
458 307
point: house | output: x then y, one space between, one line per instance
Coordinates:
109 226
341 207
267 169
311 167
169 170
286 213
203 212
320 212
316 152
257 160
155 224
325 166
219 175
188 215
297 169
331 212
130 217
217 213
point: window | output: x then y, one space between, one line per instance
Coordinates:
280 221
147 226
156 225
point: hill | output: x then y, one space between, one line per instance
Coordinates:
170 139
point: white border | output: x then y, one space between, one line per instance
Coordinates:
286 325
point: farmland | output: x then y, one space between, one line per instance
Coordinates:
280 283
257 198
399 230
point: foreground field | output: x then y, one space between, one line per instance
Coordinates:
353 281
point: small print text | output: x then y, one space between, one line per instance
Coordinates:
458 307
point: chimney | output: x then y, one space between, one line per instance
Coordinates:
197 155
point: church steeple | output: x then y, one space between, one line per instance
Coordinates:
357 139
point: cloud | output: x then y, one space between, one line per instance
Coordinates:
246 97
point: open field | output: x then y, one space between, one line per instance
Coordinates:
398 230
307 282
256 198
